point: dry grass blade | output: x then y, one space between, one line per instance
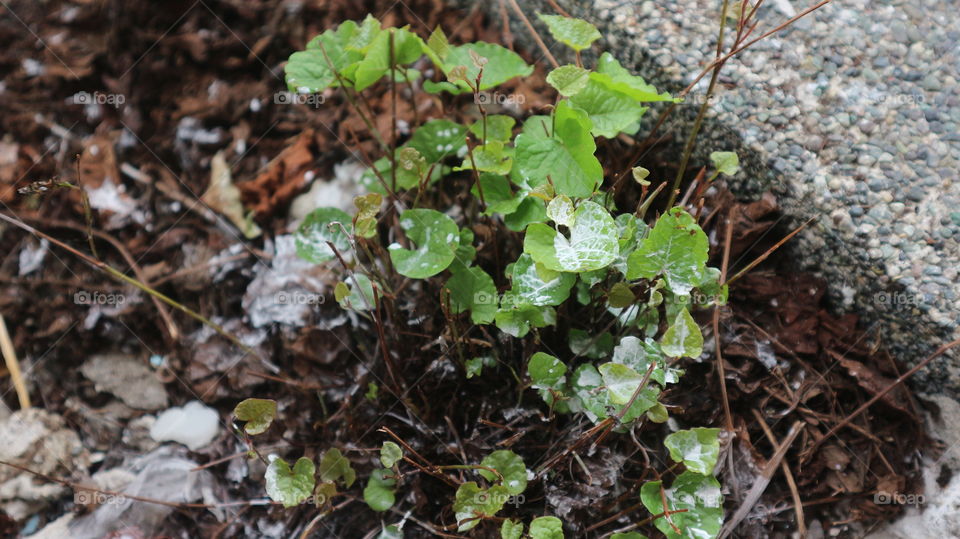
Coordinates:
766 474
10 358
791 482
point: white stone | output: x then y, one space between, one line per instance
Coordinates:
194 425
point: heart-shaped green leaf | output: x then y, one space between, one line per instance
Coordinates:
676 248
515 318
320 228
473 503
592 244
621 381
315 68
436 238
545 371
539 286
611 111
546 528
286 486
380 490
727 163
406 47
356 293
390 454
623 81
336 467
577 34
510 466
498 127
683 337
511 529
593 346
437 139
566 158
698 494
258 413
569 79
501 65
697 448
560 210
472 288
491 157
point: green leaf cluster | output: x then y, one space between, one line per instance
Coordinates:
543 180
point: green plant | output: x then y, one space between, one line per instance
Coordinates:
544 181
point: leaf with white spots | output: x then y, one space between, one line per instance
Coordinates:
592 244
638 355
435 237
676 248
621 381
683 337
697 448
697 493
321 227
538 285
585 384
560 210
356 294
289 486
437 139
516 318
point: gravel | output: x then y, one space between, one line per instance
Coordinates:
851 115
